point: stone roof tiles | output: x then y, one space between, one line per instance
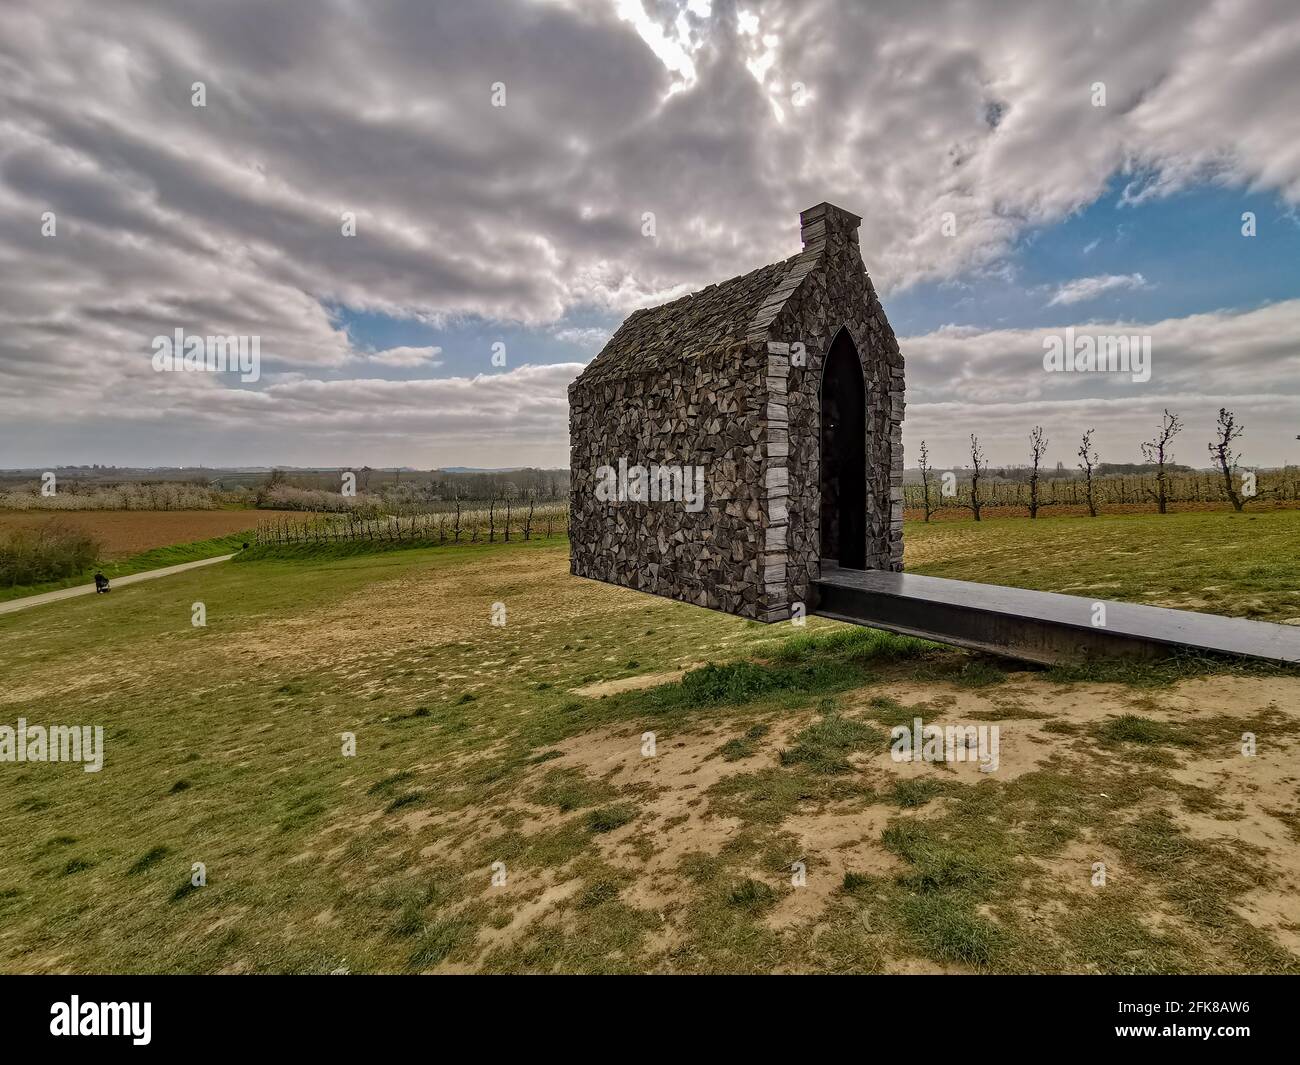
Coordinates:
715 318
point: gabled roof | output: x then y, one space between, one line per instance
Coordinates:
713 318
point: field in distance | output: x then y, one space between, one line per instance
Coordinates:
500 815
129 532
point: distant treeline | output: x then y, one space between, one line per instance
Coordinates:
373 491
1115 490
408 486
1060 472
78 495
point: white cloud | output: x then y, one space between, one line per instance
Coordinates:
1087 288
226 219
992 383
406 358
590 339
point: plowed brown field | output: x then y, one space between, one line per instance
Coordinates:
129 532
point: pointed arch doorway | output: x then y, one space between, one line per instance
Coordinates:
843 456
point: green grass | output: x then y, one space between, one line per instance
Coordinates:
741 747
250 711
828 660
383 861
1132 728
608 818
1245 565
824 746
148 860
155 558
438 940
568 789
1162 672
751 894
916 792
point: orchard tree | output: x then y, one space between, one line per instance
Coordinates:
977 461
1037 448
1225 458
1156 450
924 465
1088 463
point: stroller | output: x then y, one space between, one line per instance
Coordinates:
101 584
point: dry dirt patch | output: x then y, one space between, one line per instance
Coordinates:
671 787
632 684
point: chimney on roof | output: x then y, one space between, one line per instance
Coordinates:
827 224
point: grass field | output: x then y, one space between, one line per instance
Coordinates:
517 751
160 538
1246 565
155 559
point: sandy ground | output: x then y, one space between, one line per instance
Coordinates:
632 684
679 819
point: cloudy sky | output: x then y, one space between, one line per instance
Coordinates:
1020 168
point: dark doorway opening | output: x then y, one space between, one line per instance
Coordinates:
844 456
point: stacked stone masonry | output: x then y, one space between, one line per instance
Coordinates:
729 379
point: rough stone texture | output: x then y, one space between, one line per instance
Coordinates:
714 379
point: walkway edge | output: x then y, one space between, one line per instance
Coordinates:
14 605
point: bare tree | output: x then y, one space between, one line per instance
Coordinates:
275 477
1157 450
1038 448
1225 458
977 464
1089 457
924 465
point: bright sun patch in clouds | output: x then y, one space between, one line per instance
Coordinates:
673 51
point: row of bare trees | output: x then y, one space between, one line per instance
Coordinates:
1157 453
455 526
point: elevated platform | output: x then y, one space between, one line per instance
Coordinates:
1039 627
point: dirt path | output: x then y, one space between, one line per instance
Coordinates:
14 605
